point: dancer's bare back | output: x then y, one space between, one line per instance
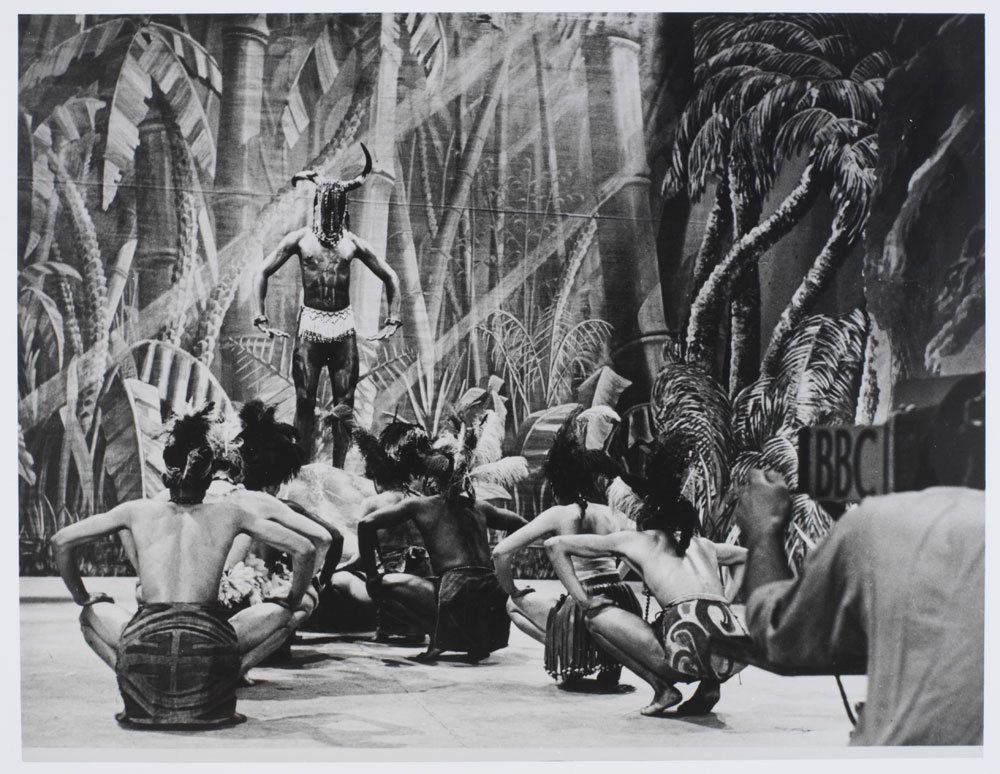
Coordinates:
453 533
652 554
181 549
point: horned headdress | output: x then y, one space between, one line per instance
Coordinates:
330 216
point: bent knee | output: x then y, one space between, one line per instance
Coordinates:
607 619
402 580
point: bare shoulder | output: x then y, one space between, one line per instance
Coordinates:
563 519
635 544
381 500
290 242
252 504
703 543
603 520
360 244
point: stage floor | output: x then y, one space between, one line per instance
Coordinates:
371 701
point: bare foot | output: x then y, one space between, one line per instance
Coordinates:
663 700
702 700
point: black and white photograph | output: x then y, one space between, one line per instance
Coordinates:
414 385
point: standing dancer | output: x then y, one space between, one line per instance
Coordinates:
326 335
578 478
345 603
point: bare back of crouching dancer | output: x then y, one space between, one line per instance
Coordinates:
269 457
681 571
577 477
345 604
180 657
463 607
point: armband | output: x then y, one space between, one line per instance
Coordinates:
259 319
394 321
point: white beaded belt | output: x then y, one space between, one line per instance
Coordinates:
322 326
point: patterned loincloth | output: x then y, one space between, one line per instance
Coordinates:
325 327
685 627
570 650
179 665
471 612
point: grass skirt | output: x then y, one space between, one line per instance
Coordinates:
570 651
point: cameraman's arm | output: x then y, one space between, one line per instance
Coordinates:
811 620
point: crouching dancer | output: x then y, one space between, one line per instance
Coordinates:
682 573
179 659
463 607
578 478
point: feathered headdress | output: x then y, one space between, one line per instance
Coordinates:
189 451
655 501
574 472
270 450
394 456
471 462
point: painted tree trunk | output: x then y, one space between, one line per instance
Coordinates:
156 254
710 301
717 229
403 259
833 254
498 236
244 43
744 306
445 238
744 329
630 271
548 143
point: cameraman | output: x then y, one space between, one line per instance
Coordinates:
899 580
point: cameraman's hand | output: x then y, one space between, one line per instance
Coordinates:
764 505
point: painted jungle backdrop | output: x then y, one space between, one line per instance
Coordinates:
721 227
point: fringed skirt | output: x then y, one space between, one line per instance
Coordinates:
179 665
570 651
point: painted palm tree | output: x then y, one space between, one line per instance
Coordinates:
128 64
129 60
747 67
691 411
831 140
817 381
852 168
